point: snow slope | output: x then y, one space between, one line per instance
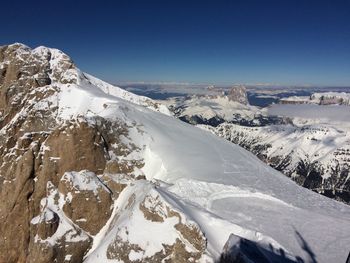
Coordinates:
234 185
307 142
221 186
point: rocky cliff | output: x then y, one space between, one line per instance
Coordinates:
238 94
56 182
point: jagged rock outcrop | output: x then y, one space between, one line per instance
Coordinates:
61 173
238 94
86 194
147 211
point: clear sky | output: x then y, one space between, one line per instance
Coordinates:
290 42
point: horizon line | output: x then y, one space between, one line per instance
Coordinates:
228 84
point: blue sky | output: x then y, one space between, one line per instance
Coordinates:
289 42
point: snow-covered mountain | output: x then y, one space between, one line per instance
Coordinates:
88 174
321 98
308 143
315 156
216 109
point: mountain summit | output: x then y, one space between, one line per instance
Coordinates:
92 173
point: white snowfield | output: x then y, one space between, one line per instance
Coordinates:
222 187
314 142
219 186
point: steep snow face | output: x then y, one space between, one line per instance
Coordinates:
121 93
232 184
200 188
316 156
232 191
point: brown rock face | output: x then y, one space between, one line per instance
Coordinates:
53 238
36 150
22 72
63 181
239 94
86 194
48 224
76 147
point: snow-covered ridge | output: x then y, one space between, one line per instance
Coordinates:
321 98
216 109
213 106
126 95
325 98
64 74
196 183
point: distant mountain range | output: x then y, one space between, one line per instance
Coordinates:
92 173
313 152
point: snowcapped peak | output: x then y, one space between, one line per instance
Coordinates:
75 91
18 45
52 54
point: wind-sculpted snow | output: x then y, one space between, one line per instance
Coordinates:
107 180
